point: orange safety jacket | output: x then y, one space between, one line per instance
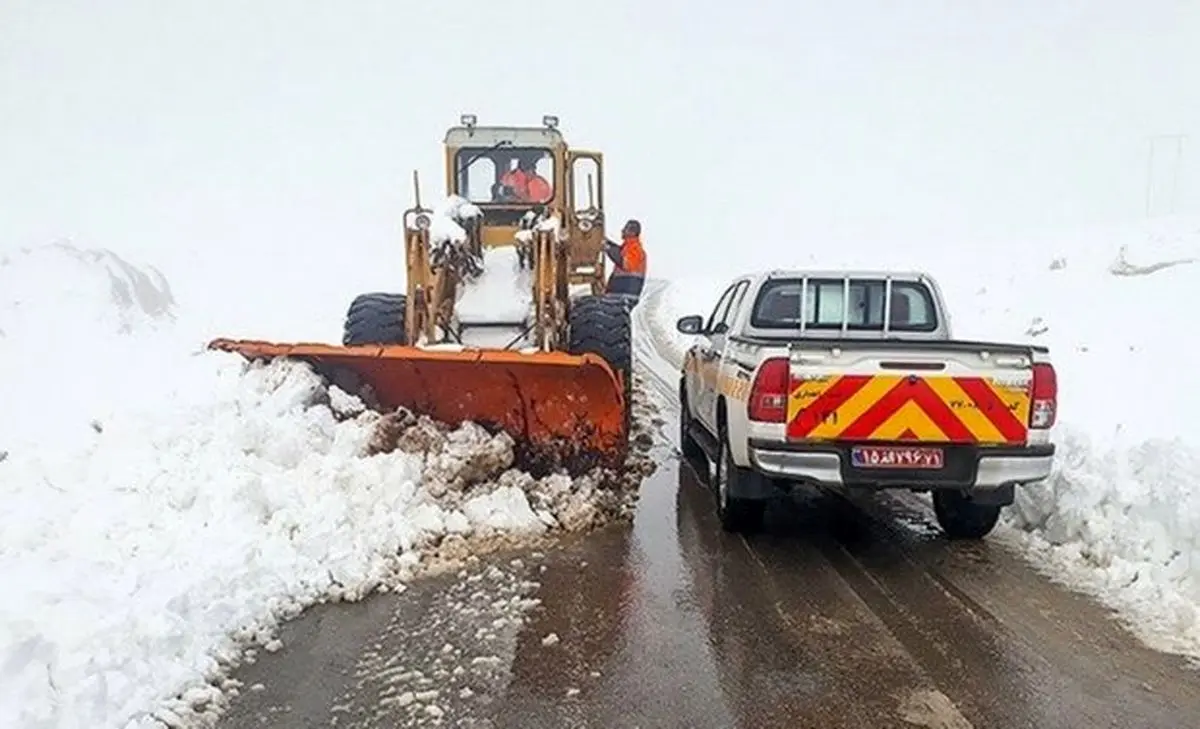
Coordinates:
633 257
528 187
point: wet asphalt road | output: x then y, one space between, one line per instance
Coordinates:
839 615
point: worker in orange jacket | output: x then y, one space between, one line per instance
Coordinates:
629 262
526 184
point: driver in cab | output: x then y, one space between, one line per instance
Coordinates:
524 184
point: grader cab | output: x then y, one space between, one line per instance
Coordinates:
503 320
479 161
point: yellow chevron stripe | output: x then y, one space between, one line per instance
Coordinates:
853 408
964 407
1016 399
806 392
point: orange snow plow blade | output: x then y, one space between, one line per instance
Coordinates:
561 409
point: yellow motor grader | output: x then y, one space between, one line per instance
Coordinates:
503 321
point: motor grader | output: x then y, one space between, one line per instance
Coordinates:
503 321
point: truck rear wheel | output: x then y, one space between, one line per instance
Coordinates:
962 518
600 325
736 514
375 318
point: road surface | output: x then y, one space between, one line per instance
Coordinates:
839 615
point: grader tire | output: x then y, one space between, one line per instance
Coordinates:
375 318
600 325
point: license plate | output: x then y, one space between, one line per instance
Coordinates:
896 457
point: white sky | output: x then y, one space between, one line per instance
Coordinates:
226 140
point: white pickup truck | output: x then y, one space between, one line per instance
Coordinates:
849 379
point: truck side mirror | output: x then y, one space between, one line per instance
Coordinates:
693 324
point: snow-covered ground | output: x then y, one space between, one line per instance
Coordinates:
165 506
1121 516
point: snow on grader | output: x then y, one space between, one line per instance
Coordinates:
503 321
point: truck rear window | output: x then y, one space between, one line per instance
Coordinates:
778 305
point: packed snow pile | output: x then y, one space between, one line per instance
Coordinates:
57 291
1121 515
176 504
450 219
67 320
503 292
449 222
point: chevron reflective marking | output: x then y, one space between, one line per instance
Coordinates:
735 387
907 408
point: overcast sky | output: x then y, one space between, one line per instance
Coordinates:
223 140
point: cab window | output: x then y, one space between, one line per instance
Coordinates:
829 302
508 175
739 295
718 312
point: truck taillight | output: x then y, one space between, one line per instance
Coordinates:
1043 409
769 392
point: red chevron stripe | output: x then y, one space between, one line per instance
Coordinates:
925 398
827 402
993 408
941 414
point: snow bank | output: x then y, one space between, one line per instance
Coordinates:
683 298
65 319
174 504
1121 515
58 291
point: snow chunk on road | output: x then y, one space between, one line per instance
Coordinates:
505 509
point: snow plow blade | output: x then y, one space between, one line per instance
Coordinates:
562 410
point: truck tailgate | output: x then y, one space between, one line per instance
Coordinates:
926 396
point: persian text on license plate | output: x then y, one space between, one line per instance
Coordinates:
896 457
